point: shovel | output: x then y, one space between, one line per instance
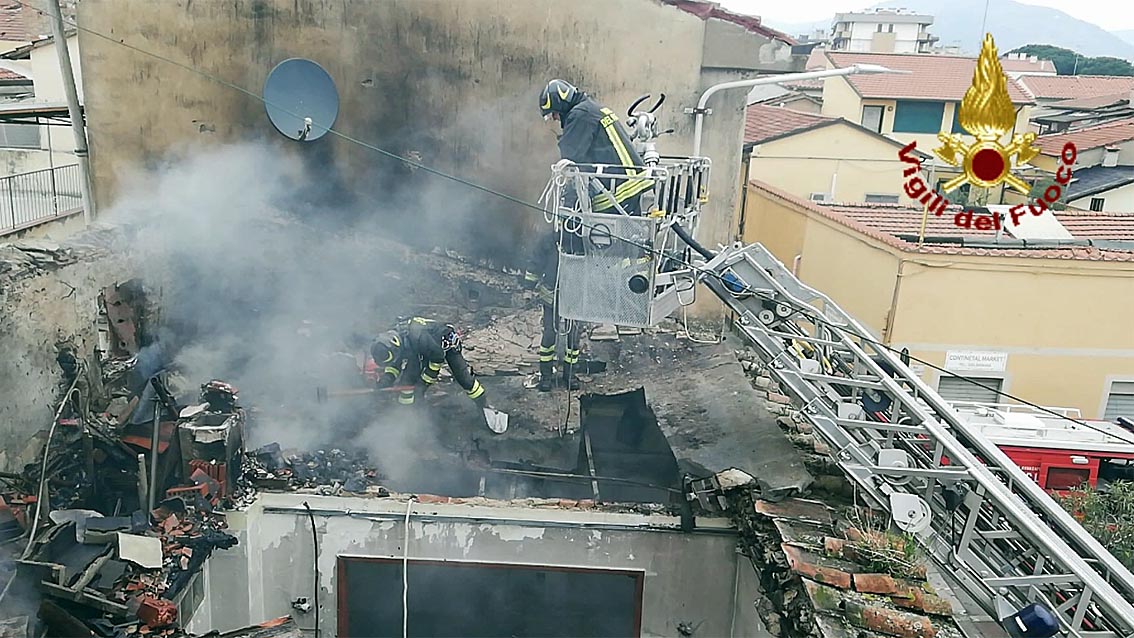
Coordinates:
322 394
497 420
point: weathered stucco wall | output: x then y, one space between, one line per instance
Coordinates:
42 305
690 578
455 82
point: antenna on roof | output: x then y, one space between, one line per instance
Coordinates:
301 99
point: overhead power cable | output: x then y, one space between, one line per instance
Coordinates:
473 185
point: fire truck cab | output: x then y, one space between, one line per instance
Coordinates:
1058 453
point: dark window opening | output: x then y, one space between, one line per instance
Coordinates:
1066 478
872 118
875 198
475 600
1097 204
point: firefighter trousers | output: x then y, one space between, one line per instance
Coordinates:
550 334
462 374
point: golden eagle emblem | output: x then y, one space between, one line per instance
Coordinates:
987 114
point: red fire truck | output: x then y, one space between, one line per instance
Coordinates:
1058 453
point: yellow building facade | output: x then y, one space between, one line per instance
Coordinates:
1048 326
837 162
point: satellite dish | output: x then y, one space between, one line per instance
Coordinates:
301 99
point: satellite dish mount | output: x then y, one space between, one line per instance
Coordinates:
301 99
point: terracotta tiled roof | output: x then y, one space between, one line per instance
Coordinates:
1093 101
706 10
882 221
932 77
817 60
1020 66
1088 138
1065 87
12 27
6 74
762 122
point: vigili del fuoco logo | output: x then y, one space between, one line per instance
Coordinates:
986 113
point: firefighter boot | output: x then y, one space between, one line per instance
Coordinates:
570 381
545 376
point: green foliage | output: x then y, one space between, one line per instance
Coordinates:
1038 189
1066 63
1108 515
960 196
882 550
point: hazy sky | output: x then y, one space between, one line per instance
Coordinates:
1107 14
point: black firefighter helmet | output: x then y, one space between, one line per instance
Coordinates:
387 347
557 97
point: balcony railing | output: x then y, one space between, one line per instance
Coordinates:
29 199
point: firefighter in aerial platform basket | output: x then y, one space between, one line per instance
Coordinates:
412 356
593 134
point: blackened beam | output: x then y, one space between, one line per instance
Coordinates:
87 596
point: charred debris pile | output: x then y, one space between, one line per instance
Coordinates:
105 531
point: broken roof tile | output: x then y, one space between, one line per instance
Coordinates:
799 509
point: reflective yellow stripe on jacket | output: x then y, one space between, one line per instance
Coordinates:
626 188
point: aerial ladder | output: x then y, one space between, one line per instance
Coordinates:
989 527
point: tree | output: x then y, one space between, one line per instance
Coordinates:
1105 66
1108 515
1068 62
1064 59
1042 185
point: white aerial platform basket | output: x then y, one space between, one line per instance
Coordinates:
627 270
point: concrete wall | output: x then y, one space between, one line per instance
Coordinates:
454 81
967 302
805 163
690 578
48 80
37 313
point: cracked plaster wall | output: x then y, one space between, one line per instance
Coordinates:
36 312
690 578
453 84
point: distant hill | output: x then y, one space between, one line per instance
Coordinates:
1127 35
957 22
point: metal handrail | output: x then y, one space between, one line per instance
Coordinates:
34 197
1073 413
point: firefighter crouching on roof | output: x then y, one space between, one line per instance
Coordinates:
413 354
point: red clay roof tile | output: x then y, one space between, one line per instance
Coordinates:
883 221
931 77
1059 87
706 10
12 27
1088 138
763 122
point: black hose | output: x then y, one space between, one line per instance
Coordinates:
693 243
315 563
